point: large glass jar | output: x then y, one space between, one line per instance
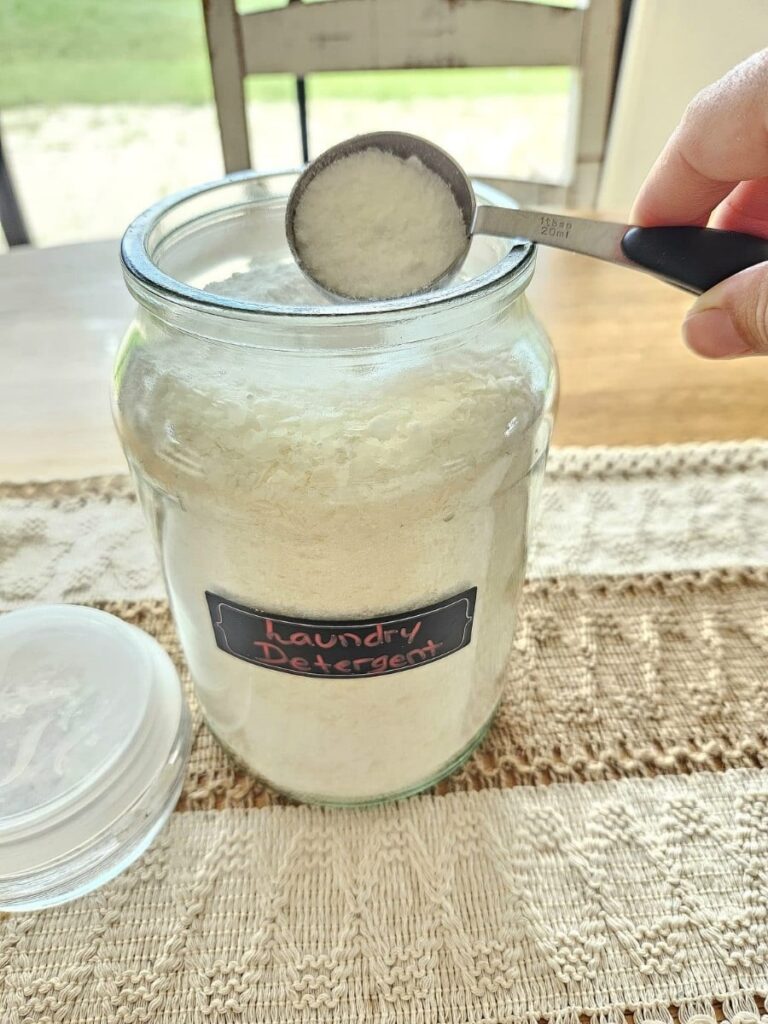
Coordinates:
340 495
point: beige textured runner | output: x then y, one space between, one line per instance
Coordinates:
604 511
508 905
612 677
638 883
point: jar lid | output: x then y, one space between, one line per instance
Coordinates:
94 737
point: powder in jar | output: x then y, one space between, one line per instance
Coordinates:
366 487
334 471
374 226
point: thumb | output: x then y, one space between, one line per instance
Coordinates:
731 319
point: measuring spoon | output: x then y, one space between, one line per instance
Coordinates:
691 258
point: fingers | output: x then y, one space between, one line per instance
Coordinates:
721 141
745 209
731 319
717 160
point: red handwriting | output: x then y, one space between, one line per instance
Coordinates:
348 648
377 636
272 655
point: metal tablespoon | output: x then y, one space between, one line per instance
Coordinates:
691 258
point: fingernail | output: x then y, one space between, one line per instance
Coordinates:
712 334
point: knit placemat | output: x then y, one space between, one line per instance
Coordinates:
603 511
518 905
610 678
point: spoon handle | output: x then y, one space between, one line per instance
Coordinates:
691 258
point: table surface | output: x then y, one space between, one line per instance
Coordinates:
626 377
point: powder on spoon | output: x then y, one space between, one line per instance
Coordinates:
374 226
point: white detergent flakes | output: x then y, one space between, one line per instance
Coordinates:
327 481
374 226
339 489
272 283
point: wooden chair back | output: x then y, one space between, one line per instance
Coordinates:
363 35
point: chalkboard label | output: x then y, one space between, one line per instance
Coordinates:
343 649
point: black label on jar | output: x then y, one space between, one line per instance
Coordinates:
343 649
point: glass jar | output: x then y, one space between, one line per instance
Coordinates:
340 495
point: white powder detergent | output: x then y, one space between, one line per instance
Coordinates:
323 481
374 226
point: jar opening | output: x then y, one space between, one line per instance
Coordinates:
221 248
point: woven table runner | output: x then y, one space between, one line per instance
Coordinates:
605 851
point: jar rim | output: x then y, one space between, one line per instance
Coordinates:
142 271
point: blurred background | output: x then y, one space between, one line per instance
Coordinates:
106 105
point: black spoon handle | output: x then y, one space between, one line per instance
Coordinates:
693 258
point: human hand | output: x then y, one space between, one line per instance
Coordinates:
714 170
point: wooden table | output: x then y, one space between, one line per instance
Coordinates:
626 376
